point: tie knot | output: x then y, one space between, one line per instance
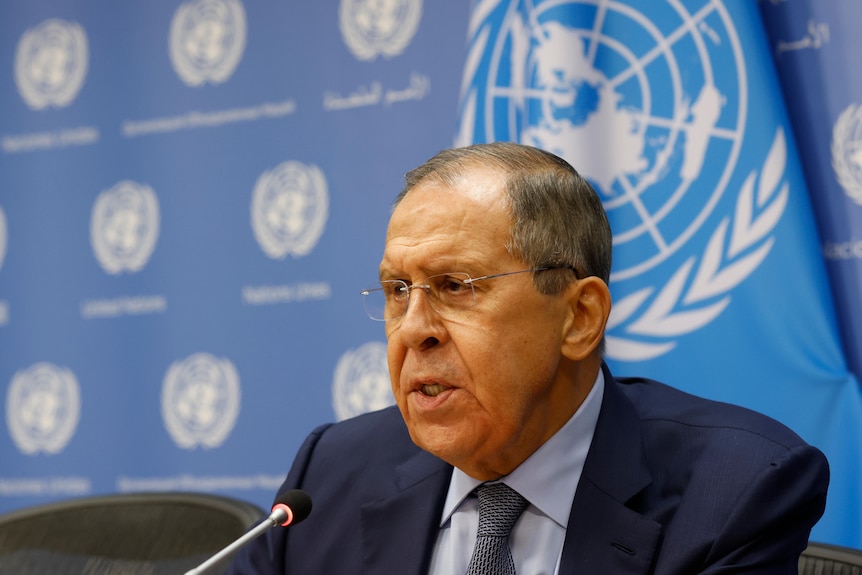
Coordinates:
499 509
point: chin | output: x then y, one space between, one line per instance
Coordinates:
450 450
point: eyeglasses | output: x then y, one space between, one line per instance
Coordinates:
447 293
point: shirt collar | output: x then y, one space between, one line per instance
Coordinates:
548 478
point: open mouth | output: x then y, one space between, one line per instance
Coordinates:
433 390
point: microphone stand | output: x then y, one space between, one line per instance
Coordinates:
277 517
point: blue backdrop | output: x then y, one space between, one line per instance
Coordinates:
193 193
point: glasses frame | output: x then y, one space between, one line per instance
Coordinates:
469 281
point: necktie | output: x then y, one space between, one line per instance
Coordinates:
499 509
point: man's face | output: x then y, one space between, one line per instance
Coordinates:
498 364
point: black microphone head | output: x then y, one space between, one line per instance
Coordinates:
299 503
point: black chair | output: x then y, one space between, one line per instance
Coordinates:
823 559
139 533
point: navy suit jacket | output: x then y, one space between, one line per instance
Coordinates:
672 484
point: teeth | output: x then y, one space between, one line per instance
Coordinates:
433 390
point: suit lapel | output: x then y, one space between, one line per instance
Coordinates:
405 547
604 535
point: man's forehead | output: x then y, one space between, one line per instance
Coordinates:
477 186
437 220
436 209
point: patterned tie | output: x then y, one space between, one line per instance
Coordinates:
499 509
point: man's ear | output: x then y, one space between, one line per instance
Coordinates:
589 307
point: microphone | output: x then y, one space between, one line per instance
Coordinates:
290 508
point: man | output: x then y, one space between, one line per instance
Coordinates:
494 293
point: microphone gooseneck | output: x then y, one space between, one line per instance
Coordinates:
290 508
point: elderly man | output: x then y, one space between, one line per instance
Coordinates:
513 448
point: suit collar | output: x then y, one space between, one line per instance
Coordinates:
603 530
419 491
618 463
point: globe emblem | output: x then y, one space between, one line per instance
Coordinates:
361 381
124 226
289 208
642 101
51 63
42 408
379 27
207 40
846 153
200 400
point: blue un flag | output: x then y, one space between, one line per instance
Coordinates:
673 111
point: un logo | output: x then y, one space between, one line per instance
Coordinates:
51 64
124 227
207 40
289 208
200 401
648 102
42 408
361 383
846 145
371 28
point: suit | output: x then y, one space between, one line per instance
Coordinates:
672 484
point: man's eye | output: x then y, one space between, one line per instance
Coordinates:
395 289
453 285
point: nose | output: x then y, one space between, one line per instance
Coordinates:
424 287
420 327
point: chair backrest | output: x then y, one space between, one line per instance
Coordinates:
823 559
122 533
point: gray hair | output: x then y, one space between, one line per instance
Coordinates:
557 218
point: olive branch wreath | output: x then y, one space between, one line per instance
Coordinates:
651 325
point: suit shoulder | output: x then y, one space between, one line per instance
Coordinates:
385 422
661 404
374 437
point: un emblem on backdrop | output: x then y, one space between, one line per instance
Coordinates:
51 63
289 208
124 227
847 151
42 408
647 100
371 28
207 40
361 382
200 401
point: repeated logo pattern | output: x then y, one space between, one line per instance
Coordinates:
124 227
361 381
289 208
847 151
207 40
200 401
43 406
372 28
51 64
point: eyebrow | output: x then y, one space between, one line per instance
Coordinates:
387 273
427 272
